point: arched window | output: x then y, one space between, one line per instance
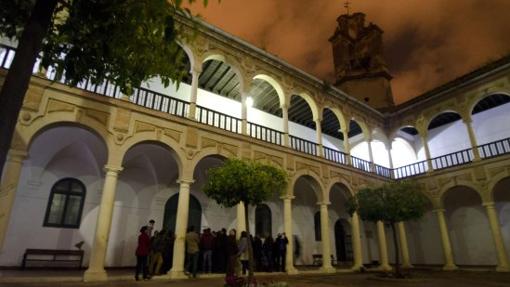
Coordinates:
317 225
65 204
263 219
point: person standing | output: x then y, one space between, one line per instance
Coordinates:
268 253
283 251
231 252
244 251
142 252
192 251
207 244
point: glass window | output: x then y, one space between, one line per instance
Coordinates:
65 204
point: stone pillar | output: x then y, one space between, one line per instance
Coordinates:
390 158
181 225
445 240
472 138
496 236
383 247
96 271
427 151
287 224
318 129
347 145
404 247
371 154
8 187
356 243
241 224
285 116
244 113
195 75
326 242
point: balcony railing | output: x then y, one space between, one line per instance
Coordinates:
360 164
264 133
494 149
219 120
335 156
410 170
160 102
452 159
302 145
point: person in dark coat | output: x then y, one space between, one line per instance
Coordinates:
283 251
257 252
276 253
267 247
142 252
232 252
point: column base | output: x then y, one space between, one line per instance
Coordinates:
328 269
451 267
356 268
95 275
408 266
385 268
502 268
292 270
177 275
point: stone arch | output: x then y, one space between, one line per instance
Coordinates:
340 116
191 56
318 189
148 137
310 101
492 185
378 134
447 187
192 164
218 55
339 180
274 83
431 118
481 96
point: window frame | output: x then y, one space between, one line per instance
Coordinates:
67 194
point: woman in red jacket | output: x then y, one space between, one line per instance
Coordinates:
142 252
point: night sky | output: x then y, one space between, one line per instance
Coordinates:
427 42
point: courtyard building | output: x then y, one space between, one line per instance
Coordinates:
89 164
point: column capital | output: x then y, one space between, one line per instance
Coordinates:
287 197
196 70
112 168
466 118
284 106
323 203
185 181
488 204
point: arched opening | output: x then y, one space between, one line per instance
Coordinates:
59 156
342 235
489 116
194 213
264 110
468 227
263 221
501 196
447 134
302 128
332 136
150 174
305 222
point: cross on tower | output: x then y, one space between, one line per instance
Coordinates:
347 6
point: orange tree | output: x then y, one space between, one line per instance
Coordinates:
246 182
122 41
390 203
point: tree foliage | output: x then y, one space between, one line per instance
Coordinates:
244 181
390 202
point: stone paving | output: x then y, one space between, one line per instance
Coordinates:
421 279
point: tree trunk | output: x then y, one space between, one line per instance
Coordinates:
250 248
397 251
18 77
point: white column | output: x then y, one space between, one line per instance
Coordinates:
195 75
496 236
390 159
287 224
285 116
8 187
404 247
356 242
472 138
318 129
371 154
445 240
244 113
181 225
427 151
241 224
326 242
96 271
347 145
383 247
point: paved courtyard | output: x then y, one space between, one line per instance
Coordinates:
422 279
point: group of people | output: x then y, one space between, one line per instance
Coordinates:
209 252
154 253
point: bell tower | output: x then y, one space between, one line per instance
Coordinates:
360 69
